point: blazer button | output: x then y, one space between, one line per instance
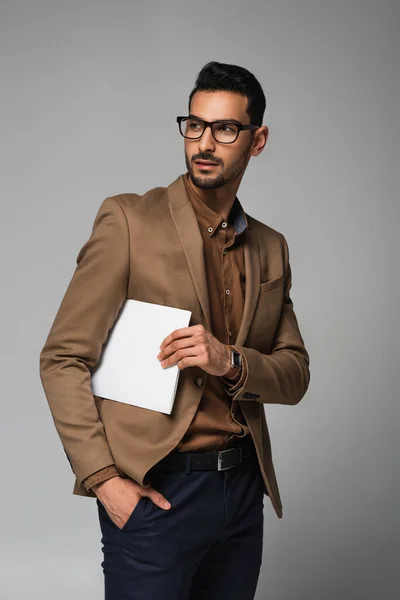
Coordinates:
199 381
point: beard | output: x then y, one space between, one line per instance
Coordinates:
211 182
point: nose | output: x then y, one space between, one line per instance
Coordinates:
206 142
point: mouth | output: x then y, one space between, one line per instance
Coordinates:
205 164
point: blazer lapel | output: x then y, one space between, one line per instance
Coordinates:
185 220
187 227
252 285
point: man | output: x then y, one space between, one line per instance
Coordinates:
180 496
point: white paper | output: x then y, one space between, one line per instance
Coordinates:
128 369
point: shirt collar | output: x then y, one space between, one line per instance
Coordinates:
209 218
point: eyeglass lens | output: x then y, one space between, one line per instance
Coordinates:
223 132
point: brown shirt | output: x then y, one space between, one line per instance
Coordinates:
218 421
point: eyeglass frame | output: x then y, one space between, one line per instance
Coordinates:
239 125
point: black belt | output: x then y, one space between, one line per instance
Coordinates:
204 461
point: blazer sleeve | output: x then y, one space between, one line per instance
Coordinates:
100 476
90 305
283 375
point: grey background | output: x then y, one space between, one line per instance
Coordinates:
89 95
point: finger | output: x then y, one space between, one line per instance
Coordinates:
158 498
191 361
180 333
192 351
187 342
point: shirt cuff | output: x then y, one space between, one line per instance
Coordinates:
99 476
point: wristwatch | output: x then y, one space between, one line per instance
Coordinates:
236 363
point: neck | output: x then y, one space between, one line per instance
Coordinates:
219 199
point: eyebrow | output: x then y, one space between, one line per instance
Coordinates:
219 120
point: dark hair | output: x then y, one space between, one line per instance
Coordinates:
216 76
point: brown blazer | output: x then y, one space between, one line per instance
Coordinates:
148 247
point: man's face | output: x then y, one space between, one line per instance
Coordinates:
232 158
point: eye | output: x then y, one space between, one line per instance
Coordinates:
194 125
226 128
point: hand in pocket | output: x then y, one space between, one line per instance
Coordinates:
120 497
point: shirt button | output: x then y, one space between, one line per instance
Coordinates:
223 224
227 292
210 230
230 332
199 381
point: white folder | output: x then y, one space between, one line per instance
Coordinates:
128 369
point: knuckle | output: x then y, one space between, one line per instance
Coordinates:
158 497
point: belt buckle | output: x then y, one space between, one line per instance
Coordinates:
220 452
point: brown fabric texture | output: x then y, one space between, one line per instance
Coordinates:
149 247
218 421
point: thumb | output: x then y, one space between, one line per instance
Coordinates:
157 498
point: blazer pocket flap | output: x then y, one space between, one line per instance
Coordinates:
266 286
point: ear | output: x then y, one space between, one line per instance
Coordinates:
260 139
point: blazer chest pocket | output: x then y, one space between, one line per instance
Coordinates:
266 286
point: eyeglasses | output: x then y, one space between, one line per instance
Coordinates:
224 132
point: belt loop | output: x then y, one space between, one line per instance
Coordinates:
188 463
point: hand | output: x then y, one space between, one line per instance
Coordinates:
120 496
195 346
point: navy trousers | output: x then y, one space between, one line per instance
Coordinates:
207 546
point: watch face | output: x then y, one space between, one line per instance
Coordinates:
237 359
